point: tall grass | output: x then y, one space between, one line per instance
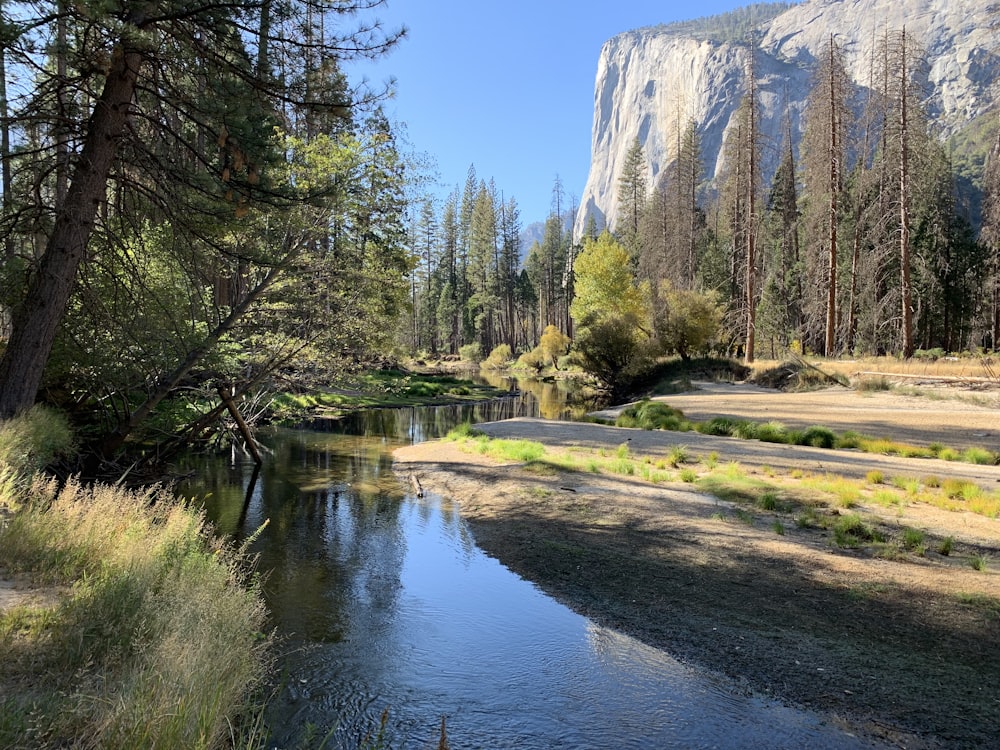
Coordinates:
33 440
158 642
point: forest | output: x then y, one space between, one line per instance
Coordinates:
195 201
198 205
867 241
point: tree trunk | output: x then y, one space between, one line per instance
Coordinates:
904 208
37 319
834 189
5 175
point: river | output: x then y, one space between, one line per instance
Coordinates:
383 604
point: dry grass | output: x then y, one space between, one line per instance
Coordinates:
158 642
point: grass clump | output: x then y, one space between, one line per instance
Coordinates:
678 454
159 641
979 561
464 431
913 540
873 384
979 456
818 437
653 415
853 531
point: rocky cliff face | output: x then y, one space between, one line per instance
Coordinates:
652 81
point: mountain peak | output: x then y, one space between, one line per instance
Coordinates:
651 82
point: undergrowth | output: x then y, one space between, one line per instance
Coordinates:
153 636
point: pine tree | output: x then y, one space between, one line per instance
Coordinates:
632 189
824 150
175 95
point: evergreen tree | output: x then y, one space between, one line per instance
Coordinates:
632 189
181 118
824 151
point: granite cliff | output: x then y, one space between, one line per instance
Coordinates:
650 80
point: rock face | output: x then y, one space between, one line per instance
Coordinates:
650 82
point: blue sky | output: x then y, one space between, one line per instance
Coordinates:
508 86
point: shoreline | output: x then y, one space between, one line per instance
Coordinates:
882 647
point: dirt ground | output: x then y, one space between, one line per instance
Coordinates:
904 649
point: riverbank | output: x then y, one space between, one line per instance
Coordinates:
124 622
893 634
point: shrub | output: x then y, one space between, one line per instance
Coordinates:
852 531
463 431
875 477
688 475
745 430
693 321
772 432
653 415
33 440
471 352
499 358
553 345
872 384
532 360
678 455
848 440
723 426
768 501
913 539
979 456
818 437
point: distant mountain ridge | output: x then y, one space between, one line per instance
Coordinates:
651 80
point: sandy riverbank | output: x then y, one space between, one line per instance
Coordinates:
902 649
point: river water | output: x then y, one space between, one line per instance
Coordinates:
384 604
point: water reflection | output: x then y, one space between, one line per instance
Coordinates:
384 601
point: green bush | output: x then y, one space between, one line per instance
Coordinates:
653 415
772 432
499 358
33 440
818 437
533 360
470 352
723 426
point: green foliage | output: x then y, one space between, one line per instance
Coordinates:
533 361
604 285
818 437
463 431
33 440
693 320
499 358
913 539
853 531
471 352
615 350
554 344
653 415
979 561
